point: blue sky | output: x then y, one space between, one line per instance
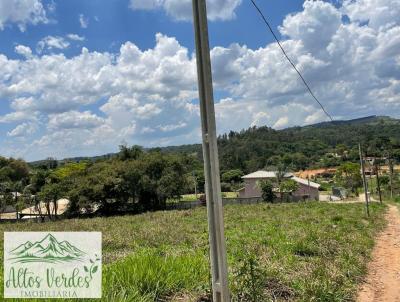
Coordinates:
81 77
111 23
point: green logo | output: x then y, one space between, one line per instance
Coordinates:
44 265
48 250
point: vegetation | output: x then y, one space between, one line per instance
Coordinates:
298 252
321 145
289 186
267 189
14 177
348 175
137 180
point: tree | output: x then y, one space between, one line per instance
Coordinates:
349 176
51 193
142 184
281 174
232 176
288 186
38 180
267 190
126 152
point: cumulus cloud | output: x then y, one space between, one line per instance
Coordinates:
22 13
75 37
314 26
74 119
149 96
138 89
182 9
378 13
17 116
24 51
52 42
23 129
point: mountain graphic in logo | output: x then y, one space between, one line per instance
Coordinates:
47 250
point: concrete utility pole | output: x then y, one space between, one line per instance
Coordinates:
219 266
364 180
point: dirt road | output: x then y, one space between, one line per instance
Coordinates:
383 280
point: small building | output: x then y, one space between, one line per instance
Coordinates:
306 190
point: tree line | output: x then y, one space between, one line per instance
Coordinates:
138 179
134 181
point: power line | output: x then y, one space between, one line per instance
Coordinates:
290 61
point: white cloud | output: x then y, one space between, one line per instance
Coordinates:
74 119
24 129
149 96
182 9
75 37
24 51
168 128
83 21
282 122
52 42
139 88
314 26
378 13
17 116
22 13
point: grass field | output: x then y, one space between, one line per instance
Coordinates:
193 197
298 252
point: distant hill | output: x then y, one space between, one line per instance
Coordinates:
372 119
299 147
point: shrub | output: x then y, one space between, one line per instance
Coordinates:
267 191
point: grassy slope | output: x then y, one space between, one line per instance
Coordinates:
302 252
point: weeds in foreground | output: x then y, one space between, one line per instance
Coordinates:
297 252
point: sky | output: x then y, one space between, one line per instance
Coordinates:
81 77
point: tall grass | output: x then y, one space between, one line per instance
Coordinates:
152 275
297 252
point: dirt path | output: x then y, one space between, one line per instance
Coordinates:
383 279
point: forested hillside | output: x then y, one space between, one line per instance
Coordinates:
319 145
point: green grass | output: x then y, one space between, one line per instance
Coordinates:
299 252
192 197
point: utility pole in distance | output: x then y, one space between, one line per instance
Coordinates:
219 266
364 180
391 176
378 183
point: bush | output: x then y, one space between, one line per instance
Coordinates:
249 280
267 191
226 187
